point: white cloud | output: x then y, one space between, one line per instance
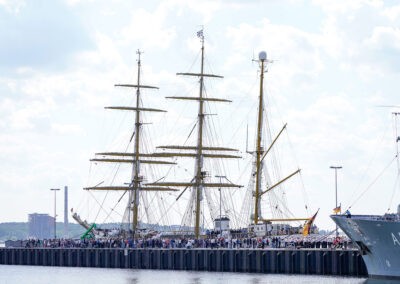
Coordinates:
361 36
69 129
13 6
392 13
206 8
149 28
343 6
73 2
105 53
384 37
297 54
28 117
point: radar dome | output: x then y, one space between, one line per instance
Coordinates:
262 55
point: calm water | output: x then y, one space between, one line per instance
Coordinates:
13 274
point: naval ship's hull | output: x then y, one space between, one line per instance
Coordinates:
378 239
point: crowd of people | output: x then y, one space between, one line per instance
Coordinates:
281 242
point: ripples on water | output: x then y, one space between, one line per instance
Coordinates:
13 274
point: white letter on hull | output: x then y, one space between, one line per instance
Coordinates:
395 240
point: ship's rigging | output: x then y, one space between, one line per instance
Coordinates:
136 187
200 182
261 184
200 189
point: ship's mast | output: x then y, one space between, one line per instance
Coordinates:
198 182
136 164
136 158
259 150
199 158
260 153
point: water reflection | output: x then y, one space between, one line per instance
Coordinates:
196 280
133 281
255 280
13 274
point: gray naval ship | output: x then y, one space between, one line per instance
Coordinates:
378 238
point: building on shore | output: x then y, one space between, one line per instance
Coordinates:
40 226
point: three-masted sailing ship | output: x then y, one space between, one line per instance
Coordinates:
201 187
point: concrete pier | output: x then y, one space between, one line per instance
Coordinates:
284 261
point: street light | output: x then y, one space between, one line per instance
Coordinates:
220 206
55 210
336 168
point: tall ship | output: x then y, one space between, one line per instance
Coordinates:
207 200
377 236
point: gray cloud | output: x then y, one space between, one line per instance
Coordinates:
42 34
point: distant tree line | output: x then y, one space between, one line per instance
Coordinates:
20 231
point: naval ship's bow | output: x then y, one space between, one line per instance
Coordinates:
378 238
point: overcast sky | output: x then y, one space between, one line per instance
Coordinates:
335 62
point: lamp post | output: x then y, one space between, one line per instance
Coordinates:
55 209
336 168
220 205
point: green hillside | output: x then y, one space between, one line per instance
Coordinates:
19 230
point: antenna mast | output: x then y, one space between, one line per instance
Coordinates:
397 141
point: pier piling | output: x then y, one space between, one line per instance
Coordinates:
317 262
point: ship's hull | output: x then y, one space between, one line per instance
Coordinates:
378 240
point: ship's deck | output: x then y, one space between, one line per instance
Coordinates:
386 217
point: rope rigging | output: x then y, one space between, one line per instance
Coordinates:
372 183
